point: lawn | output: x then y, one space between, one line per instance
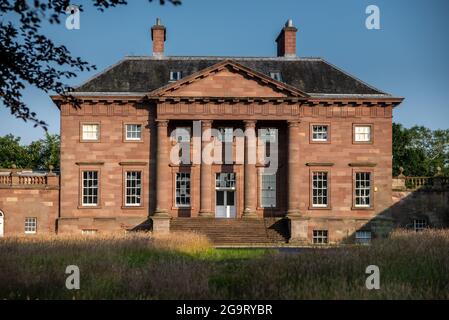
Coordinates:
186 266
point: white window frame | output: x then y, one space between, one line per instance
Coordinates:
320 130
175 75
225 180
268 187
320 237
364 190
320 182
85 187
363 237
276 75
133 188
30 225
87 132
362 133
183 190
137 132
419 224
89 232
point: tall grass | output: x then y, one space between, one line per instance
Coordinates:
185 266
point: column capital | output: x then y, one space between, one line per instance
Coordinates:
250 123
293 123
206 123
161 123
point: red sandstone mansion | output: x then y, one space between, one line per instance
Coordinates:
332 135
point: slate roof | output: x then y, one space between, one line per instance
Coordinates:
139 75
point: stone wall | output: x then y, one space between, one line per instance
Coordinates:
29 195
430 205
420 198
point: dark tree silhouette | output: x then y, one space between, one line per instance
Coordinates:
29 57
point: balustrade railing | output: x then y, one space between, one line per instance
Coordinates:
15 178
414 183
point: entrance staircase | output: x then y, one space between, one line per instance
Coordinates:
236 232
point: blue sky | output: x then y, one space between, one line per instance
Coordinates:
408 57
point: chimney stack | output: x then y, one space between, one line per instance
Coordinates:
286 41
158 36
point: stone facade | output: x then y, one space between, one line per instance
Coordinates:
232 95
226 94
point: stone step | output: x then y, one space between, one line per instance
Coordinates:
235 231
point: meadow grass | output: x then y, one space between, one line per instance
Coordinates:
186 266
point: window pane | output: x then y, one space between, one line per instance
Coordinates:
319 132
90 131
230 198
363 237
30 225
220 198
362 133
90 188
362 189
225 180
133 188
319 189
175 75
268 191
182 189
320 236
133 132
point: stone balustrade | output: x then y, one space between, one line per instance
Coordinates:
403 182
17 178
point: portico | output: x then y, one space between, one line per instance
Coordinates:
219 188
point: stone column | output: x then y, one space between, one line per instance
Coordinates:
298 225
162 174
293 168
205 173
250 171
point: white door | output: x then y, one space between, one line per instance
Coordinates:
225 204
1 224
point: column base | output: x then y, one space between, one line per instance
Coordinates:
248 214
293 213
161 213
206 214
161 225
298 230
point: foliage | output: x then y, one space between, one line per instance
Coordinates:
420 150
136 266
31 58
38 155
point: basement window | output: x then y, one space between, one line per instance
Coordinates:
275 75
88 231
30 225
363 237
320 237
175 75
419 224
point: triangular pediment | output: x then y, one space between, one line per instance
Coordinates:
228 79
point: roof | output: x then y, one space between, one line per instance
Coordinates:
231 65
142 74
